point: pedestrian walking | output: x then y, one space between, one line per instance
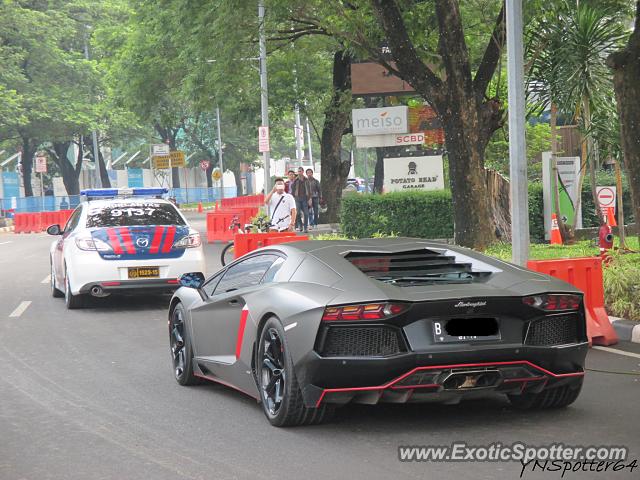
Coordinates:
291 178
316 198
282 207
301 191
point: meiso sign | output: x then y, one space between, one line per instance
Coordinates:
378 121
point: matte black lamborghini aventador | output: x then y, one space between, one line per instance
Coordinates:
306 326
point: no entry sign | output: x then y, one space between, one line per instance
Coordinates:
606 198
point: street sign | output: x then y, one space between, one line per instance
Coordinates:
160 149
216 175
177 158
606 198
161 162
204 165
41 164
263 139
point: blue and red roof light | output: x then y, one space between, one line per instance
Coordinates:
124 192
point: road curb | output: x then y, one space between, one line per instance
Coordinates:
626 329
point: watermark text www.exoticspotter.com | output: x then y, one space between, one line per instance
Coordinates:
516 452
556 457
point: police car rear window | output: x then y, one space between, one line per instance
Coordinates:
125 215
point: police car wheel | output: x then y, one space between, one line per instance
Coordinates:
72 301
54 290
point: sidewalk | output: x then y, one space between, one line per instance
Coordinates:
627 330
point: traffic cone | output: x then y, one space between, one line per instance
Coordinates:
556 238
611 217
199 207
216 207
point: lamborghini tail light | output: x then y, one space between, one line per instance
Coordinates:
553 302
369 311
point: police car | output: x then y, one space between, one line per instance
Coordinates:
122 240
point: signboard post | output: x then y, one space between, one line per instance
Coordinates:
568 175
41 168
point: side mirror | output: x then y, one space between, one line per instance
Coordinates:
54 230
192 280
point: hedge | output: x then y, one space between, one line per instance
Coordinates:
430 214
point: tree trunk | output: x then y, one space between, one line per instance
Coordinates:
591 157
378 179
104 175
472 216
468 117
69 173
26 159
334 169
620 205
626 72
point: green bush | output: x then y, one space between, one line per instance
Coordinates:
417 214
410 214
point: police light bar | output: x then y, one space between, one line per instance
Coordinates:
123 192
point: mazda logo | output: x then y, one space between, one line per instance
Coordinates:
142 242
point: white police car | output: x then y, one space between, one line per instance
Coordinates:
122 240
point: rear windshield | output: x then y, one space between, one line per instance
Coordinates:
124 215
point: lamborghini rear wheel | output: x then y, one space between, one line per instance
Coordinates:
181 352
558 397
280 393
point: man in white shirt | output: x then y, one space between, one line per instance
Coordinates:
282 207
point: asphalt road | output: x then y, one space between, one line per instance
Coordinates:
89 394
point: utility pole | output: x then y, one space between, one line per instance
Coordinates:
264 96
94 134
220 151
517 148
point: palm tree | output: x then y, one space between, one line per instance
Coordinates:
571 70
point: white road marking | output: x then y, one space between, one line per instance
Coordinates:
4 243
47 279
619 352
21 308
290 326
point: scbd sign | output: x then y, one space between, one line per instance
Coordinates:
378 121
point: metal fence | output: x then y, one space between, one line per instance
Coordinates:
9 206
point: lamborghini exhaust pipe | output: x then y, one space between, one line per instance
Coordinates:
472 379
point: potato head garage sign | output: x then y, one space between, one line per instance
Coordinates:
403 174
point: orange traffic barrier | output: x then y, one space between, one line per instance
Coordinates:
218 226
63 217
556 238
277 240
20 223
585 274
611 217
248 242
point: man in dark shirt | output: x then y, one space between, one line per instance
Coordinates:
316 196
301 191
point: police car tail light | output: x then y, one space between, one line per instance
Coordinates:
92 244
190 241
